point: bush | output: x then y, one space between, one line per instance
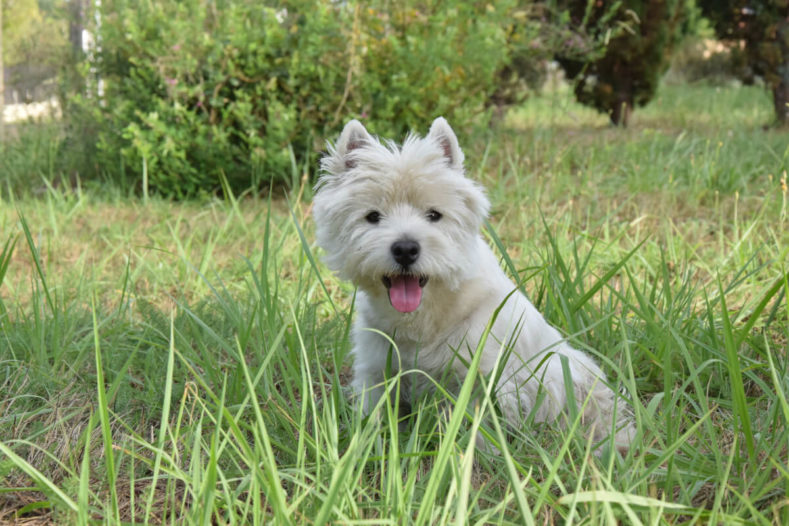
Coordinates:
195 94
628 72
248 92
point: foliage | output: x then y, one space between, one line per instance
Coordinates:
194 93
628 73
763 27
417 60
248 92
535 33
32 34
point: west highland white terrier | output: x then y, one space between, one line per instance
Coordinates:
403 224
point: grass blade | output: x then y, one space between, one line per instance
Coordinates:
739 401
104 417
36 260
165 418
306 247
5 256
5 261
753 317
269 462
84 477
45 485
580 302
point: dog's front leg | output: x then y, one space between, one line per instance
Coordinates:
370 356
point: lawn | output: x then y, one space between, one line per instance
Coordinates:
164 362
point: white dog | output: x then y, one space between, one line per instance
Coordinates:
403 224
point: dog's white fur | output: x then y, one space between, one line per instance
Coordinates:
465 282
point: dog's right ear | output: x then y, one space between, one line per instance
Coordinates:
442 134
353 137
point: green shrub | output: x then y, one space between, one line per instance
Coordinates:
628 72
196 92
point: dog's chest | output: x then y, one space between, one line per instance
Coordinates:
430 348
431 357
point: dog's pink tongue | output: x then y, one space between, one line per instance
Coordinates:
405 294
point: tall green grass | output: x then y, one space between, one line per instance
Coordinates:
167 362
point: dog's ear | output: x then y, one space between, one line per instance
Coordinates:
442 134
353 137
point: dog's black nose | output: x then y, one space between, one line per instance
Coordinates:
405 252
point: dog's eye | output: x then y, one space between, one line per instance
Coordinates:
433 215
373 217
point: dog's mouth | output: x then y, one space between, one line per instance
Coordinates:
405 291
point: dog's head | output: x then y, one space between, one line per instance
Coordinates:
394 219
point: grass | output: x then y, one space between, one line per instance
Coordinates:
165 362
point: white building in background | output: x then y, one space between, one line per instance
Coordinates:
91 46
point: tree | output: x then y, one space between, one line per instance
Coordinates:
44 40
33 39
20 17
534 35
763 27
627 74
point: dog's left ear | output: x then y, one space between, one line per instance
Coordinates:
442 134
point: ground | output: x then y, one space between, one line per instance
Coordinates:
165 360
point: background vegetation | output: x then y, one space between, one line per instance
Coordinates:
758 31
247 94
628 71
196 98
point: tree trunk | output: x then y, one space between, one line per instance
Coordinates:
781 88
75 26
620 113
781 102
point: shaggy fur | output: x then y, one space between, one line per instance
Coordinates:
403 224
